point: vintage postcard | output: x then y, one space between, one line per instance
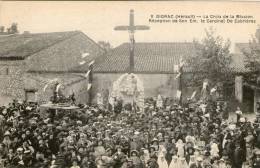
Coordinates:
130 84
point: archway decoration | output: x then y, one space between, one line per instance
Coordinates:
130 89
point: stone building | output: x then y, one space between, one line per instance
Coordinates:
30 61
247 94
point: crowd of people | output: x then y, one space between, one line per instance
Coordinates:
172 136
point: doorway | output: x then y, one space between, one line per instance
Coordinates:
248 100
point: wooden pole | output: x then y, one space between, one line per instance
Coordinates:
90 81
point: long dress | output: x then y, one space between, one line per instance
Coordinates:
162 162
146 155
174 163
214 150
180 147
183 163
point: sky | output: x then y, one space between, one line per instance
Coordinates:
98 19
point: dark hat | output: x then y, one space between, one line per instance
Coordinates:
152 147
151 160
207 153
119 146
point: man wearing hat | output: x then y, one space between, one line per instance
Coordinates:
256 162
118 157
238 156
136 160
152 163
222 163
7 142
130 163
19 158
28 158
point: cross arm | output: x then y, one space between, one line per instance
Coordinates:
142 27
137 27
121 28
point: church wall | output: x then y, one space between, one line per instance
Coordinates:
79 88
154 84
11 80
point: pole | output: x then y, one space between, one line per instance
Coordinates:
131 58
180 84
90 81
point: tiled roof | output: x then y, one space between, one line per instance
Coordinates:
148 57
66 55
20 46
238 58
159 58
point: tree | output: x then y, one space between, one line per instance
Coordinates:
105 45
210 61
252 59
14 28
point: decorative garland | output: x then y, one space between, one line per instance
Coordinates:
131 85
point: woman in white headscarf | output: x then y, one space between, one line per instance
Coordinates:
180 148
183 163
146 155
175 162
214 151
162 162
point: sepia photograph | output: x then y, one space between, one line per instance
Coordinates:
129 84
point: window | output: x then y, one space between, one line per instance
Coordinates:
7 71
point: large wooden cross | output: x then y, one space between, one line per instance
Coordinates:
131 28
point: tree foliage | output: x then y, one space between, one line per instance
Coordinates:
13 29
211 60
252 61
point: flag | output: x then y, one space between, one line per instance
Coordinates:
89 86
45 87
58 87
91 63
178 75
193 94
205 84
176 68
203 107
82 62
86 75
181 62
178 95
50 81
84 55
